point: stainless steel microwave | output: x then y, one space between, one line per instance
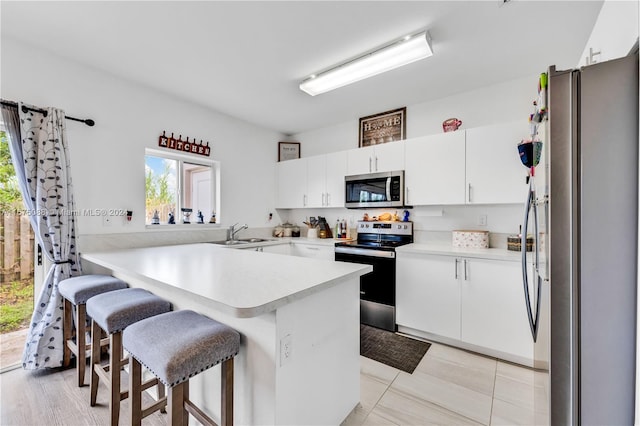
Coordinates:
375 190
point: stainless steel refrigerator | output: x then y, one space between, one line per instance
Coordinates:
587 318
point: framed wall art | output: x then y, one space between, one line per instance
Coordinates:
288 150
385 127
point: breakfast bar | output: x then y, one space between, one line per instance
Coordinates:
298 319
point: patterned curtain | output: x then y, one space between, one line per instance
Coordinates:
48 195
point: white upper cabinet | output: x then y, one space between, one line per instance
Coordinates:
385 157
316 177
325 180
474 166
494 173
292 183
336 170
435 169
614 33
316 181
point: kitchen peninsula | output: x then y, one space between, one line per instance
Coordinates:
298 319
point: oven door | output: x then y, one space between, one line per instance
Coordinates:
377 288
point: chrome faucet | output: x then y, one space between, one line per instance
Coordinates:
232 231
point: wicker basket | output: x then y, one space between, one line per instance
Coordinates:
470 239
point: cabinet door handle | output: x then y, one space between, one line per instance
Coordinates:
469 193
376 163
328 199
304 200
456 270
323 203
312 248
369 164
406 195
465 269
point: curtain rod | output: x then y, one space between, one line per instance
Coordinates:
89 122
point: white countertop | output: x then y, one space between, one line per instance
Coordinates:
242 283
448 250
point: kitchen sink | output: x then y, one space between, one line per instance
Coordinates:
230 242
240 241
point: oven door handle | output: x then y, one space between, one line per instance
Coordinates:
366 252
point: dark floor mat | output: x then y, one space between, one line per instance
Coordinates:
391 349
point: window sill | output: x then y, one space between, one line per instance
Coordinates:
183 226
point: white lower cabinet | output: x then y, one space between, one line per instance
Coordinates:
428 294
478 302
313 251
278 249
493 309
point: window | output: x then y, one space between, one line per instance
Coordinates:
175 182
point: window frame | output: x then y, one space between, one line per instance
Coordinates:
215 188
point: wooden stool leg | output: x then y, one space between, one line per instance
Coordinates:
135 392
94 381
185 397
81 356
67 331
161 394
175 405
226 413
115 365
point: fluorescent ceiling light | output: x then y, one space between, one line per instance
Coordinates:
396 54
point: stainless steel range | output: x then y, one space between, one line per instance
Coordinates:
375 245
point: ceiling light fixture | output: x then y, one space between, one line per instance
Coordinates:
400 52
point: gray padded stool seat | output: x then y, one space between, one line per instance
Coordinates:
176 346
113 312
75 292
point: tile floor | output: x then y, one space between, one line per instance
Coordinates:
450 387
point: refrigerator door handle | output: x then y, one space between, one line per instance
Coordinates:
531 205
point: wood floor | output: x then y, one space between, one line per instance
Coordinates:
52 398
449 387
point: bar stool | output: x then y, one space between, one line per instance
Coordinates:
113 312
196 344
76 291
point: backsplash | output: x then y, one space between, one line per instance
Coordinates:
431 225
434 223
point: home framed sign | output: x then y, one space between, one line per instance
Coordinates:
288 151
385 127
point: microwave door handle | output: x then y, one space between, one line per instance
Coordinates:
388 188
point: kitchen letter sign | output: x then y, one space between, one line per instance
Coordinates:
184 146
384 127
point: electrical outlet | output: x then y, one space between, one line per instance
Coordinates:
482 220
286 348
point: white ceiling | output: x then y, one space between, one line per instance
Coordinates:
246 59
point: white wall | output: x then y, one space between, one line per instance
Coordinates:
504 102
107 160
